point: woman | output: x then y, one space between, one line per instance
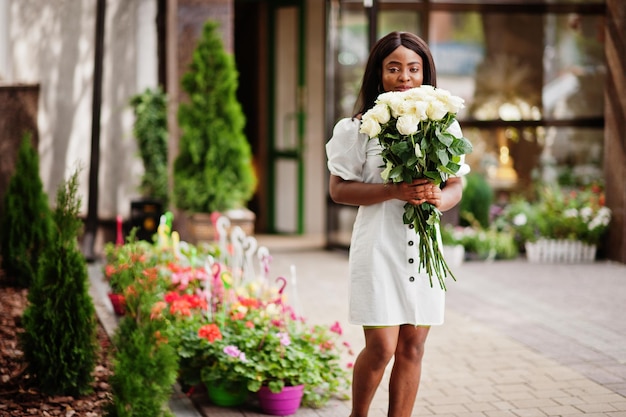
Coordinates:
389 297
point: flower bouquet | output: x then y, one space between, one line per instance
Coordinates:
411 127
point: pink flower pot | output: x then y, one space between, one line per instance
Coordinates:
283 403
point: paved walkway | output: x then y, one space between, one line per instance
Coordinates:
520 339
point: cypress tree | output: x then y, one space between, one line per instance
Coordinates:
150 130
213 170
144 355
26 223
60 339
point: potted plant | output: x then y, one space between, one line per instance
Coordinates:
213 171
150 131
120 267
561 225
257 344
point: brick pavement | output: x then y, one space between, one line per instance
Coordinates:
520 339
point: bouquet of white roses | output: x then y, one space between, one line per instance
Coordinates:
411 127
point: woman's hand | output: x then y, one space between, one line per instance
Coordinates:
418 192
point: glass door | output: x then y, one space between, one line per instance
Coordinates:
287 117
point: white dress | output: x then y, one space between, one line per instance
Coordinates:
385 286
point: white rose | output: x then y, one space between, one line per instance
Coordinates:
380 113
415 108
385 98
418 150
455 104
396 105
370 127
407 125
436 110
452 103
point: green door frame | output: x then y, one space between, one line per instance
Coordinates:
297 153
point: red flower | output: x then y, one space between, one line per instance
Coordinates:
249 302
181 306
109 270
210 332
171 296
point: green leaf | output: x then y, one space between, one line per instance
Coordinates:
442 155
434 176
445 137
452 168
461 146
400 147
395 173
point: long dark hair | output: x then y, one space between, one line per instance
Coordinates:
372 78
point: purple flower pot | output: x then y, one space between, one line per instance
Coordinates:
283 403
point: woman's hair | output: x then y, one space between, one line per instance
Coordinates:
371 85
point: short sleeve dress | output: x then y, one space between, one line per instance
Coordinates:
386 287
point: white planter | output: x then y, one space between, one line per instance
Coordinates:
560 251
453 254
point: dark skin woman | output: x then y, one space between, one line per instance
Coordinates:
397 62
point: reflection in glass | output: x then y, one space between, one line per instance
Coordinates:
574 66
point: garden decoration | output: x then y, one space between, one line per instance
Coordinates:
561 225
230 324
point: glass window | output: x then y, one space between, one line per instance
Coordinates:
351 56
532 79
574 66
403 21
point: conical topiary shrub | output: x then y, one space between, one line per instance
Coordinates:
26 223
213 170
150 131
60 339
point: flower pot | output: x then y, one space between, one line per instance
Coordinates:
227 395
560 251
200 227
283 403
454 254
118 303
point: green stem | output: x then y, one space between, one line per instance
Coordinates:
431 257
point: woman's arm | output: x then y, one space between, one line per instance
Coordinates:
362 194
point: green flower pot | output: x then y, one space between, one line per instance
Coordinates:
227 395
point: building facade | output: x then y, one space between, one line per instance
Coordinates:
543 81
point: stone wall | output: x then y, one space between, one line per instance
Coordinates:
18 116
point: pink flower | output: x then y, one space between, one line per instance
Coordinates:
284 338
233 351
336 328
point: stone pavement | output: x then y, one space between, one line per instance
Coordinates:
520 339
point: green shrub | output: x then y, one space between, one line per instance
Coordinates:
145 363
26 223
150 130
60 339
477 199
213 170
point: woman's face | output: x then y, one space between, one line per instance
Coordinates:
402 69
